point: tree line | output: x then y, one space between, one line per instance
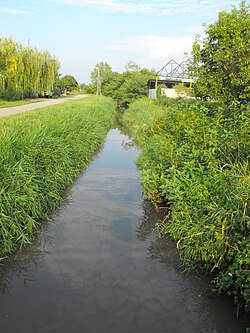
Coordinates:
219 62
122 87
27 72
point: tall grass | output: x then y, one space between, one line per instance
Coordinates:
42 152
195 159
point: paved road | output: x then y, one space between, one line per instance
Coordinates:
36 105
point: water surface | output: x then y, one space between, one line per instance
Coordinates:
97 267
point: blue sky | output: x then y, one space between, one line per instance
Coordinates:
81 33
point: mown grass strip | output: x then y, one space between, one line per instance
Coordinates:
8 104
42 152
195 157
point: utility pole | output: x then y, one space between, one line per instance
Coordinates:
98 88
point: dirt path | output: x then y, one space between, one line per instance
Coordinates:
36 105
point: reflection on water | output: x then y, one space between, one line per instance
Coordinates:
98 266
20 264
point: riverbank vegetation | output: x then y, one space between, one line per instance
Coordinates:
195 157
42 152
195 161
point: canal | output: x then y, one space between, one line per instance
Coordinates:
97 266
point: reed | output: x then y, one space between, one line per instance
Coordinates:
42 152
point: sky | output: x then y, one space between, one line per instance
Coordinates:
81 33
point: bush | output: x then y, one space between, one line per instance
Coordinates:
11 95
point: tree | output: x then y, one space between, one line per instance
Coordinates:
136 84
25 71
131 66
100 75
221 60
124 87
128 86
68 82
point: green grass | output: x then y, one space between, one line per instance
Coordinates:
8 104
195 159
42 152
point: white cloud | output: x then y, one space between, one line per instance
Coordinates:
13 11
114 6
205 8
153 51
195 29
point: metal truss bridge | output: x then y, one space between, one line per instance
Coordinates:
170 75
174 71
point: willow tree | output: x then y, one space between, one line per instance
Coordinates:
25 71
8 63
49 73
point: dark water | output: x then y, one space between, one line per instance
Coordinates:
96 267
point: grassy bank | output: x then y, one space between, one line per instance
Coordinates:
42 152
195 160
8 104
